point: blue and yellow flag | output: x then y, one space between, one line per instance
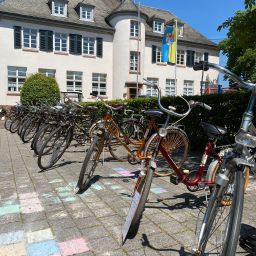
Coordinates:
169 45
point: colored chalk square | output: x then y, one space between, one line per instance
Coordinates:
158 190
18 249
9 207
45 248
30 206
11 237
74 246
40 235
118 169
97 187
28 195
55 181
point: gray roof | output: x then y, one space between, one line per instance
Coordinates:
103 9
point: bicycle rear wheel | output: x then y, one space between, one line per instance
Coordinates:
8 121
54 147
176 143
15 125
90 162
222 220
142 187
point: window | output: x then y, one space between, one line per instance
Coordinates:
170 89
188 88
198 57
59 8
134 28
47 72
158 26
16 78
86 13
180 30
74 81
89 45
60 42
29 38
99 83
180 57
150 90
158 55
134 61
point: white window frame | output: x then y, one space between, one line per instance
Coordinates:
188 88
47 72
30 39
17 76
74 79
61 38
150 91
88 44
99 79
158 26
60 4
170 87
134 28
180 30
181 55
159 55
134 61
88 11
199 56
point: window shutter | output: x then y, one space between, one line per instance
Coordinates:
190 58
99 41
75 44
206 56
17 37
154 53
46 40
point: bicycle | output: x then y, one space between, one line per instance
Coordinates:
226 202
193 180
111 135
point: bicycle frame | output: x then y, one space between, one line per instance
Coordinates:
113 129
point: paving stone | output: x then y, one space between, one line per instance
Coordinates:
13 250
103 244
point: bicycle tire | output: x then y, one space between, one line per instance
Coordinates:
233 225
143 187
15 125
8 121
116 149
92 155
176 143
23 122
53 149
30 130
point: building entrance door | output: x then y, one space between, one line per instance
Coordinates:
132 93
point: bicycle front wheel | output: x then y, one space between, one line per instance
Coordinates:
90 162
222 220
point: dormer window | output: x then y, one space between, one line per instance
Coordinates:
59 8
158 26
86 12
180 30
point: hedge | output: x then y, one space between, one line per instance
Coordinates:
39 89
227 111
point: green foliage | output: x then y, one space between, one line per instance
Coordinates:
39 89
240 46
227 111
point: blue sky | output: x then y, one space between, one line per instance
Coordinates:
203 15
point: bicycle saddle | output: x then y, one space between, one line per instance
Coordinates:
153 112
213 130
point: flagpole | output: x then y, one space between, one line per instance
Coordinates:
176 54
138 55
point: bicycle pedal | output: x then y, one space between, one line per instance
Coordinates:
174 179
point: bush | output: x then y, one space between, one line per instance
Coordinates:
39 89
227 111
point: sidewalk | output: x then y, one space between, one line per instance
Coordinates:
41 215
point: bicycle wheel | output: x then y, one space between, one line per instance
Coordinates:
8 121
222 220
15 125
90 161
134 130
30 130
142 187
176 143
54 147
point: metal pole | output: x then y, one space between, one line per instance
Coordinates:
176 26
138 54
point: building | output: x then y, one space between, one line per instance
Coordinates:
96 45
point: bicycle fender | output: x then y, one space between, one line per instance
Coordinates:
240 162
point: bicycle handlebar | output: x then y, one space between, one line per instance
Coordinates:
203 65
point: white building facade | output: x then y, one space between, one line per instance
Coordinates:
95 46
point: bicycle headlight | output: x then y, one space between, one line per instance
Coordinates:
162 132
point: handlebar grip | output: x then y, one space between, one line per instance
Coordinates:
202 65
205 106
95 94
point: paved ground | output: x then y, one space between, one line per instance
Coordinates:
41 215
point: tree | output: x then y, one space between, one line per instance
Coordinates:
240 45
